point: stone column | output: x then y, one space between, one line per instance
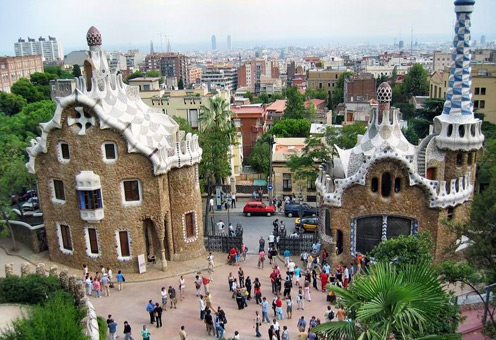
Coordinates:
164 261
72 284
64 278
40 269
54 270
9 269
25 269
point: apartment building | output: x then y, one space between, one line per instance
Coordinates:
50 50
14 68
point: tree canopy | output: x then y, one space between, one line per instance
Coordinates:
415 82
389 303
11 103
291 128
295 105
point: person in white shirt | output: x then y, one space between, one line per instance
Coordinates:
211 203
220 227
271 240
233 198
291 267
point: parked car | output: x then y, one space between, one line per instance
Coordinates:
29 194
258 208
307 224
31 205
293 209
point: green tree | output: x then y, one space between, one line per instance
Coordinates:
295 105
381 79
410 134
415 82
76 71
345 137
291 128
180 84
389 303
338 93
405 250
259 157
11 103
248 95
217 135
135 74
305 166
184 125
27 90
58 71
394 76
310 111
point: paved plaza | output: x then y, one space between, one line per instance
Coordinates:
129 305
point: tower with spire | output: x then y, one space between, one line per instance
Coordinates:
457 128
385 186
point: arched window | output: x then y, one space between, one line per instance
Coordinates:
339 242
386 184
397 184
375 184
327 222
470 158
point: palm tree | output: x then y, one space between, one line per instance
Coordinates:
217 115
389 303
216 137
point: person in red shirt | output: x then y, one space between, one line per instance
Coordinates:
273 277
323 280
206 281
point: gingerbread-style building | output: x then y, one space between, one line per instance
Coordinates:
116 178
385 187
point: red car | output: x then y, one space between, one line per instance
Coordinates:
258 208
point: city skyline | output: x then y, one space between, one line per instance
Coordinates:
319 23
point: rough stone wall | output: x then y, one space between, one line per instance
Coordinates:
86 154
184 194
26 236
359 200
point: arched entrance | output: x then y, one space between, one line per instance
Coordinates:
152 244
368 231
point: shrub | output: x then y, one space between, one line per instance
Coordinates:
102 328
32 289
58 318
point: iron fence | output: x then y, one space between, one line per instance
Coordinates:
297 245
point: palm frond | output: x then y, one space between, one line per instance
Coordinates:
342 330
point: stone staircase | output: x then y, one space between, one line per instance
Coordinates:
421 155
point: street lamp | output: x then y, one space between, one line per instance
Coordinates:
229 200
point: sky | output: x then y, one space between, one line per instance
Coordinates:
189 24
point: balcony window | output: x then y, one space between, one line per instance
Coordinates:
90 199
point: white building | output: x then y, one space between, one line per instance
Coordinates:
50 50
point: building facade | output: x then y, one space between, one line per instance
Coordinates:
50 50
116 178
324 80
483 88
284 181
14 68
223 77
250 120
440 60
404 189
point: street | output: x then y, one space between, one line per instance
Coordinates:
253 226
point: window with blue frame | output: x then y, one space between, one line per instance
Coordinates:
90 199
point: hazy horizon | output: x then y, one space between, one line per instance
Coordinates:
189 24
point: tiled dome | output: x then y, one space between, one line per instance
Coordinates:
384 92
93 37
